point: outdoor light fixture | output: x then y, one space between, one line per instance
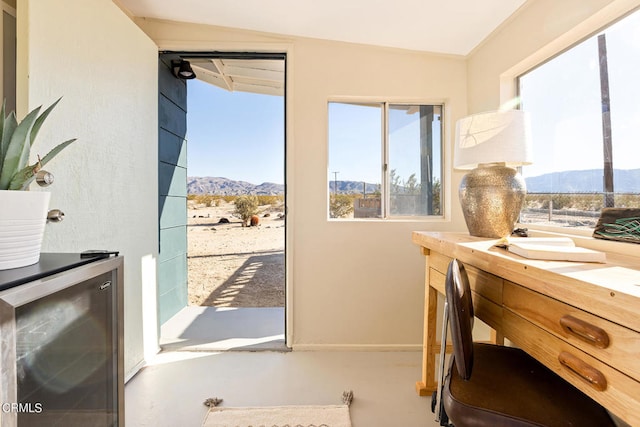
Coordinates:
182 69
492 145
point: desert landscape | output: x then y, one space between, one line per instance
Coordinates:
231 265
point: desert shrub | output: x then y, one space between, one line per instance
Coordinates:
628 200
273 200
229 199
411 185
532 201
437 207
205 199
246 206
590 202
210 200
559 201
340 205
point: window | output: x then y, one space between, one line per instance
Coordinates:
385 160
585 120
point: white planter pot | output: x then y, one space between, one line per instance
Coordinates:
23 216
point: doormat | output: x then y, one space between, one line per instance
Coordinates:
280 416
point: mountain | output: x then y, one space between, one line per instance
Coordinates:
352 187
584 181
229 187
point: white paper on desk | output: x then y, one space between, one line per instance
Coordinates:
553 248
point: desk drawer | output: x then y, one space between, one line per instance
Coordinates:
616 391
481 282
607 341
485 309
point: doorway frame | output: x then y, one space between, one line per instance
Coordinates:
265 51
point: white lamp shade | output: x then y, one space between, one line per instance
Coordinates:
493 137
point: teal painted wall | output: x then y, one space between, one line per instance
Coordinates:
172 189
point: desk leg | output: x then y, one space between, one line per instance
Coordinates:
429 344
497 337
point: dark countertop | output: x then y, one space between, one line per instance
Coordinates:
49 264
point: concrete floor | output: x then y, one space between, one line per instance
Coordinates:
171 390
197 328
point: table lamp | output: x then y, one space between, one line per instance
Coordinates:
491 145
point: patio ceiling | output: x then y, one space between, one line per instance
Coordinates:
243 75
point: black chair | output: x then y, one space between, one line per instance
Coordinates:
492 385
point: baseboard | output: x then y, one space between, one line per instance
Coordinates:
357 347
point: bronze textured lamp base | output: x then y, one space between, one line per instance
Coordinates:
491 197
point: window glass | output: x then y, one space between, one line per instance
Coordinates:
414 160
355 167
585 118
384 160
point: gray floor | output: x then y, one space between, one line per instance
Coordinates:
246 363
197 328
170 391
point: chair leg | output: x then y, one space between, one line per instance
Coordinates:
436 399
444 418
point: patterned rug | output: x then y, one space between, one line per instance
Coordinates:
279 416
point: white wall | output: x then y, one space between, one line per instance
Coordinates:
361 283
89 52
351 284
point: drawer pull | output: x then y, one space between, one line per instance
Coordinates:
585 331
588 373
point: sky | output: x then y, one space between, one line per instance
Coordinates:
355 142
563 98
234 135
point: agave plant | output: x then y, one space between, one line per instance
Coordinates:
15 148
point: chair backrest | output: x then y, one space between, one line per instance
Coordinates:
458 294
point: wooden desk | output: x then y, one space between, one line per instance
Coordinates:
573 317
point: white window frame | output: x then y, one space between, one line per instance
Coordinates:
445 165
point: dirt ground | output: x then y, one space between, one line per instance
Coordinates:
235 266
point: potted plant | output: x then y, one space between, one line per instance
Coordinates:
24 213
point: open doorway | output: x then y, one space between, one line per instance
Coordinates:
236 223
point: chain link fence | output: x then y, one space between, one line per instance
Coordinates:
580 210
